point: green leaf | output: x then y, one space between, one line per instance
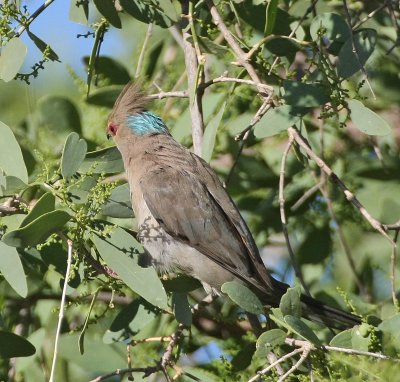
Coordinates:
364 42
181 307
107 160
331 26
243 297
11 59
243 358
104 96
79 193
146 13
391 335
271 17
290 302
59 115
316 246
301 95
108 10
17 346
73 155
268 340
342 339
210 134
182 284
11 160
366 120
11 185
12 270
302 329
45 204
168 8
38 230
276 121
130 320
209 46
119 203
110 69
42 46
121 253
79 14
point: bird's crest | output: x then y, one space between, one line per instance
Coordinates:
131 101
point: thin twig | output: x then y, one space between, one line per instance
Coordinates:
145 370
310 192
296 268
335 179
61 314
33 16
369 16
278 361
176 94
143 50
238 80
240 54
292 33
306 351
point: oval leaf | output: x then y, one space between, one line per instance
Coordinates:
181 307
366 120
298 94
330 26
45 204
119 203
275 121
17 346
268 340
301 328
38 230
243 297
11 59
121 252
342 339
108 10
107 160
130 320
290 302
11 160
364 42
73 155
12 270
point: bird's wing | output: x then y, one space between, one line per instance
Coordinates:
184 206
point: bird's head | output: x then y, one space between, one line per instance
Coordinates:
130 117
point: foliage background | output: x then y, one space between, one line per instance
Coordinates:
59 185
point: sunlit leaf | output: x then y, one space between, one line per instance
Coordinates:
107 160
11 160
121 253
11 59
12 270
366 120
290 302
243 297
108 10
42 46
268 340
298 94
119 203
45 204
73 155
211 133
38 230
302 329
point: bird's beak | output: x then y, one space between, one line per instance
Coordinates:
108 136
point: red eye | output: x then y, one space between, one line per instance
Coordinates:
112 129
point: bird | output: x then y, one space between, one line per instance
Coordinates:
187 222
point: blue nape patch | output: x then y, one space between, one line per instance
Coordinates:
147 123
